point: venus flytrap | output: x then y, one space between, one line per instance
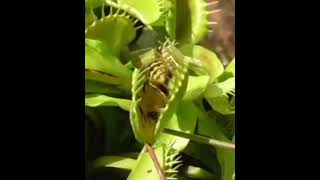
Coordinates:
187 20
166 82
104 40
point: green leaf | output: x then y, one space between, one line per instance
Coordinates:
148 11
209 61
187 21
231 67
220 89
184 120
94 100
196 87
93 3
99 88
222 105
203 153
114 31
148 38
217 96
100 82
178 24
145 168
229 72
98 57
197 173
115 162
209 127
198 10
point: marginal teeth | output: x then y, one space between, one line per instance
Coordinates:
102 11
139 27
214 11
172 178
110 14
212 23
134 22
213 2
117 12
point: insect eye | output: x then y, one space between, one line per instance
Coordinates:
153 115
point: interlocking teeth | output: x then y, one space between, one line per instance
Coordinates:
139 27
111 9
117 12
172 178
135 21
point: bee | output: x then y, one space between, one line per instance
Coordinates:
155 94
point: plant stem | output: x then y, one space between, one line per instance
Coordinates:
200 139
156 162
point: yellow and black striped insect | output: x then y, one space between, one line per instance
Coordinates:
154 86
155 94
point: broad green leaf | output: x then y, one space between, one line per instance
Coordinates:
148 38
209 127
229 72
94 100
98 57
209 61
197 173
145 168
220 89
148 11
100 82
231 67
196 87
93 3
184 121
97 87
217 96
115 162
204 154
114 31
222 105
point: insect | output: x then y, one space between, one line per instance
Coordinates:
155 94
154 87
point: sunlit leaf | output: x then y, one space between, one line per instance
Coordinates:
196 87
114 162
98 57
209 61
209 127
220 89
93 100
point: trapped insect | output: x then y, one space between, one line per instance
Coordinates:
155 85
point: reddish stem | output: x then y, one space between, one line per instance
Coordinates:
156 162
